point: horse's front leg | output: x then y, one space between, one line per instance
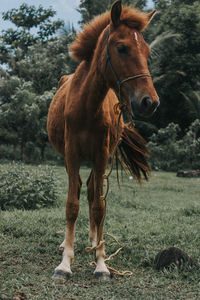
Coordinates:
72 208
98 211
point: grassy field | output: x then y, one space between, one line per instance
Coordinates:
163 212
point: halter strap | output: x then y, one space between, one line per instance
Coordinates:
108 60
120 82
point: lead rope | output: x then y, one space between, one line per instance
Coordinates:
118 109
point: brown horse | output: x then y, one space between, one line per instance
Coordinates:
83 124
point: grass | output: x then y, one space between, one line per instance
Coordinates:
164 212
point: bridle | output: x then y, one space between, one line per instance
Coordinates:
120 82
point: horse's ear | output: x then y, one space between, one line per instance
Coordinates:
150 15
116 12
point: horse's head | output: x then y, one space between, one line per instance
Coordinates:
127 53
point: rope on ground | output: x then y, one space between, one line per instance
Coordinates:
114 271
111 269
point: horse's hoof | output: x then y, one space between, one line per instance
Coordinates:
60 274
102 275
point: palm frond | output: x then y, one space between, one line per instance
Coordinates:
167 35
157 79
197 94
193 100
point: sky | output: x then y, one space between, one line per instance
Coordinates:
66 9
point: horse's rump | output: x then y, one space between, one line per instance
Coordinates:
55 121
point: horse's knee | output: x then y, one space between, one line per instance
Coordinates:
72 209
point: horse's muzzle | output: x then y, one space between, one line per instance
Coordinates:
145 107
149 106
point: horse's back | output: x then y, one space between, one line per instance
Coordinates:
55 120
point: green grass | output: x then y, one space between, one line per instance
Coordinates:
163 212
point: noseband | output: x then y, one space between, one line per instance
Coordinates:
120 82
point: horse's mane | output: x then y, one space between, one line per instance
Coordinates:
85 43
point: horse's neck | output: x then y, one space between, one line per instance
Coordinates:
94 90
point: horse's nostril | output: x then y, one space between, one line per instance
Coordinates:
146 104
155 104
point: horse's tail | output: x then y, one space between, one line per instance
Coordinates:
132 154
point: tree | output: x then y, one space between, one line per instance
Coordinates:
141 4
19 113
176 66
41 138
31 68
44 66
91 8
14 44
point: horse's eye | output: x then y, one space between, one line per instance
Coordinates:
122 49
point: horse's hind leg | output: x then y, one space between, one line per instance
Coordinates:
72 208
90 194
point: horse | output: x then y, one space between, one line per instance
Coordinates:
83 119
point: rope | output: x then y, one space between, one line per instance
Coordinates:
114 238
111 269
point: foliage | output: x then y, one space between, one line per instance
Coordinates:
170 152
29 83
164 149
175 68
20 102
25 18
89 9
24 188
44 66
42 53
191 144
28 130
